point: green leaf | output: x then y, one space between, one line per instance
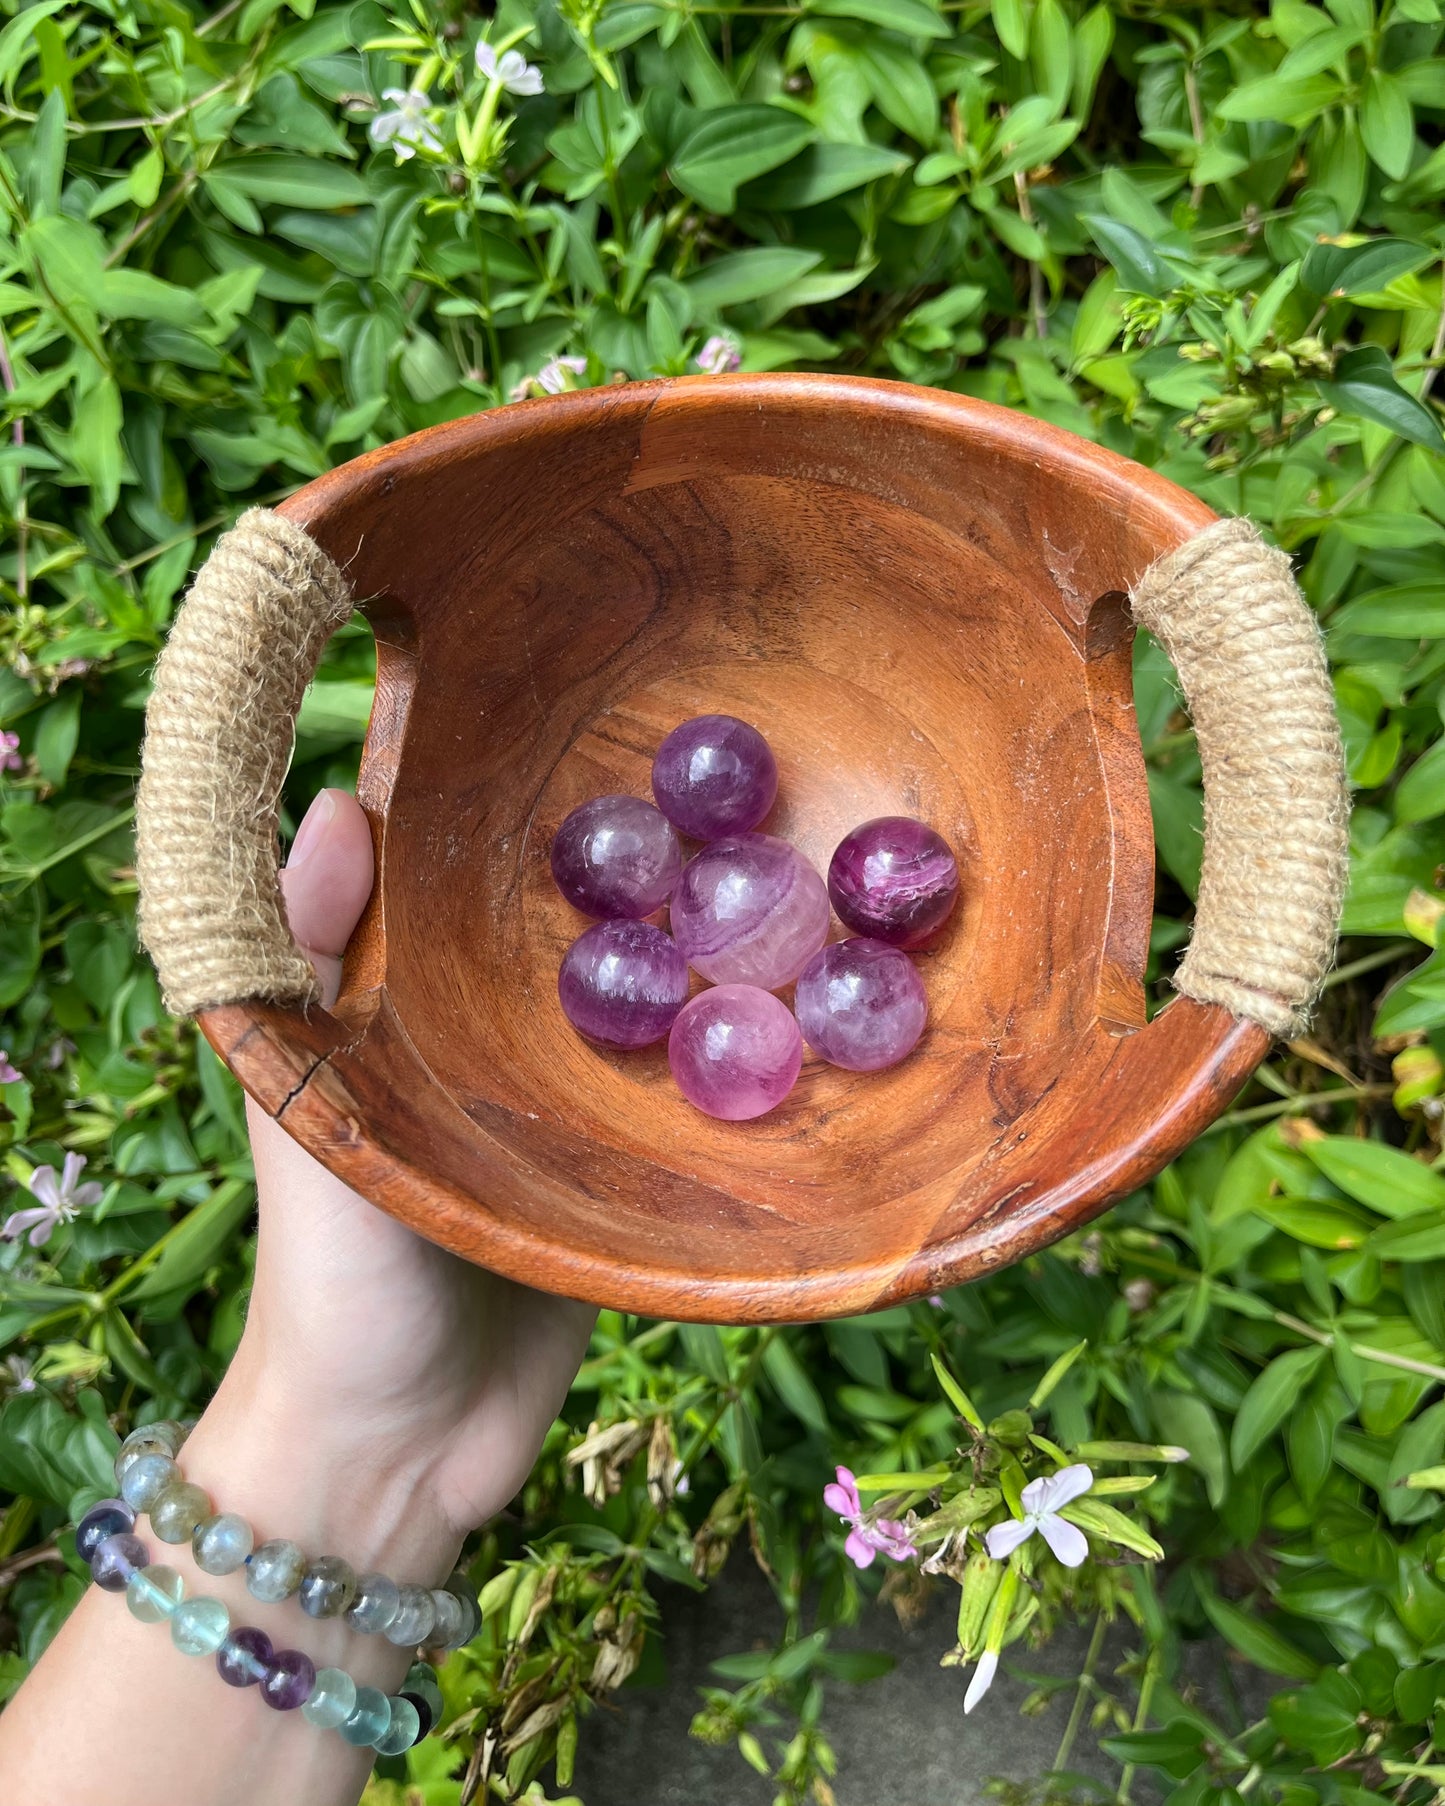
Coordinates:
1364 387
1177 1749
1270 1400
1387 123
902 88
197 1243
794 1387
1258 1641
284 179
1420 794
1415 1238
1011 23
1186 1419
731 145
1380 1176
914 18
135 295
57 736
748 275
957 1397
1360 269
17 40
824 171
1140 268
1108 1522
1290 100
1405 611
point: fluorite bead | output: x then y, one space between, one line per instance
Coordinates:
616 856
375 1604
109 1517
333 1699
422 1688
274 1570
290 1675
178 1509
861 1005
199 1626
894 879
402 1732
446 1632
735 1052
244 1658
222 1542
116 1559
327 1587
750 911
471 1607
146 1478
415 1616
369 1717
622 983
153 1592
714 775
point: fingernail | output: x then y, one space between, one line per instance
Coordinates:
308 835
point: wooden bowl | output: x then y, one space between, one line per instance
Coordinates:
919 599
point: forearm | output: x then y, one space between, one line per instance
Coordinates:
115 1715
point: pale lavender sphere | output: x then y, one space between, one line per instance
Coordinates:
894 879
622 983
616 856
861 1005
714 775
735 1052
750 910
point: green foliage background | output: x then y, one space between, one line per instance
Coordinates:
1208 236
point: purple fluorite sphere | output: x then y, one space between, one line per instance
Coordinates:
714 775
616 857
750 910
289 1680
622 983
113 1561
735 1052
894 879
861 1005
245 1656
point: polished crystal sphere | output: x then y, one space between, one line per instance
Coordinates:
616 856
861 1005
750 910
735 1052
714 775
894 879
622 983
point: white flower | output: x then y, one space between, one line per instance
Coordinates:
1042 1500
406 128
720 354
20 1373
61 1201
982 1680
511 69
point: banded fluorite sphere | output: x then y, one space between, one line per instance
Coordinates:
110 1517
622 983
861 1005
114 1561
750 910
289 1678
714 775
894 879
243 1660
735 1052
616 856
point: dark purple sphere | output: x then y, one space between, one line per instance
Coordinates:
735 1052
245 1657
861 1005
111 1517
113 1561
622 983
894 879
289 1680
616 857
714 775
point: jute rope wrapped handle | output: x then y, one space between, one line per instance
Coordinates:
246 643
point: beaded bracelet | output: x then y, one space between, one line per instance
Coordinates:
150 1481
286 1678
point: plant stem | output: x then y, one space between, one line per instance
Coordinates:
1082 1691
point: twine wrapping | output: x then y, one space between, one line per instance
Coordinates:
219 733
221 722
1252 667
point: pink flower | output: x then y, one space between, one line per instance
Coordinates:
1042 1500
8 1074
720 354
61 1201
865 1540
10 759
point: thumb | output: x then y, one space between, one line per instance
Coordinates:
326 882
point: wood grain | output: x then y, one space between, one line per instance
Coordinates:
919 599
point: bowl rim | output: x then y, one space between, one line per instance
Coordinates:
292 1059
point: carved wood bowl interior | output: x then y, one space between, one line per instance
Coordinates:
919 599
